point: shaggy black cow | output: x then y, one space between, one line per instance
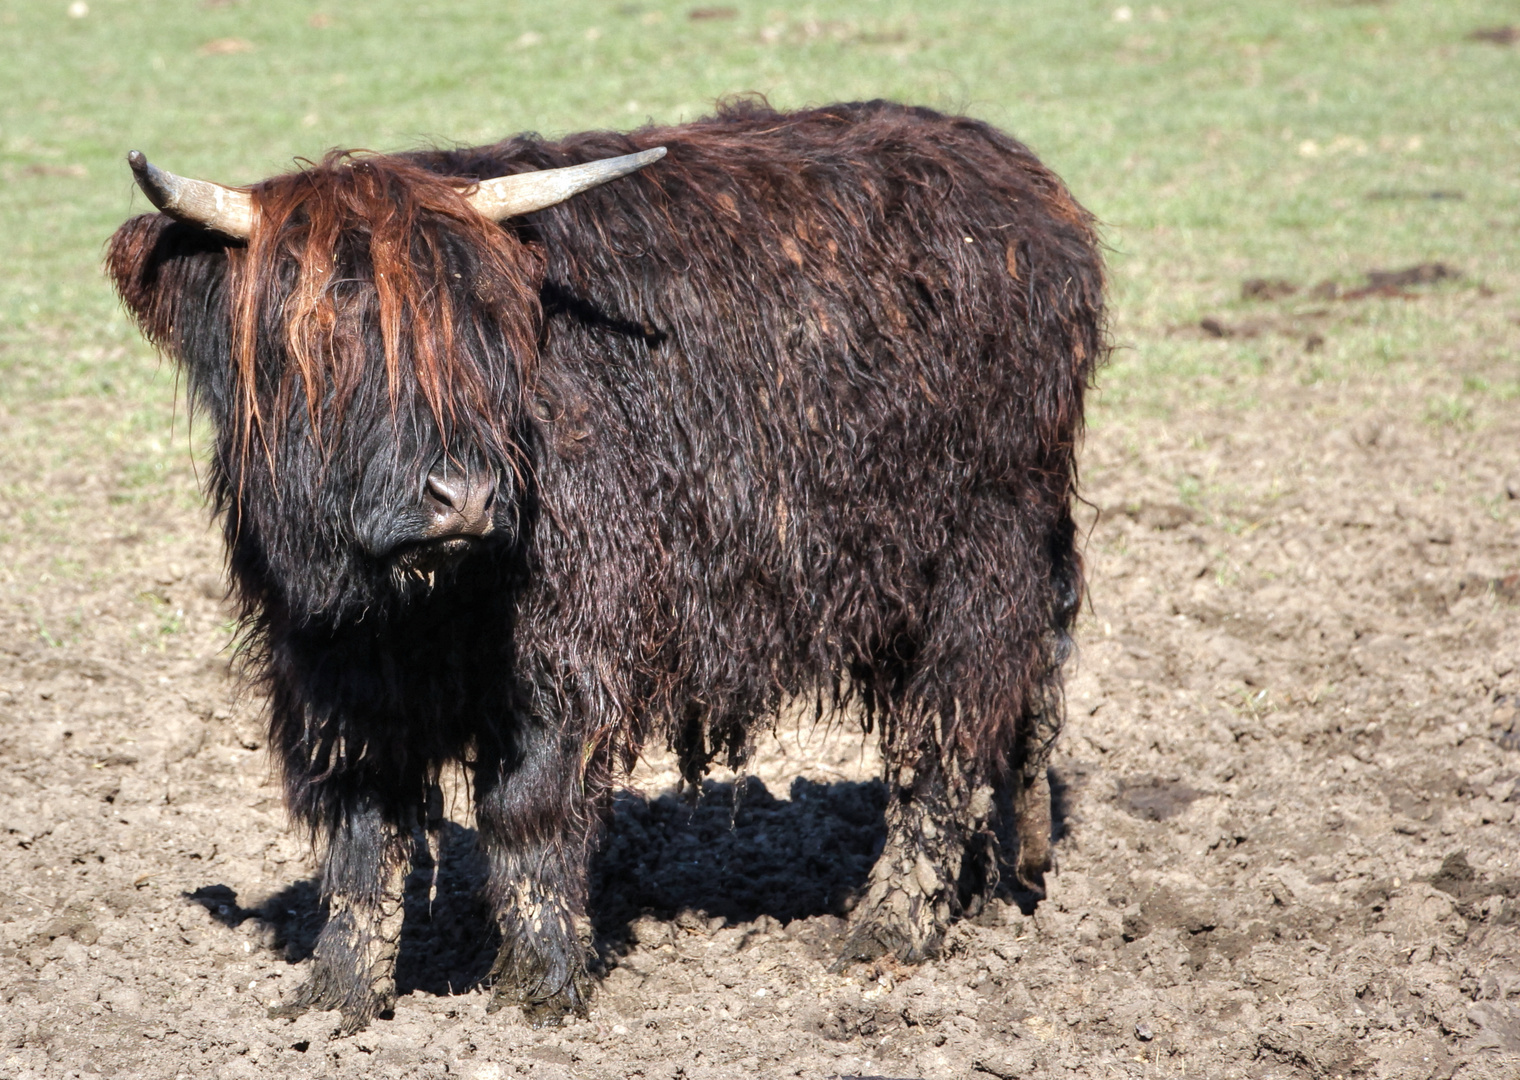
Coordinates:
523 481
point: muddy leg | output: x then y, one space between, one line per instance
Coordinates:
534 834
914 891
1031 796
354 964
542 963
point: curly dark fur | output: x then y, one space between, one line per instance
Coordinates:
792 412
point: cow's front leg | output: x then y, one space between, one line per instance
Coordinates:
542 963
354 964
534 827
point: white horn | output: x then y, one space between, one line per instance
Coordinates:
200 202
508 196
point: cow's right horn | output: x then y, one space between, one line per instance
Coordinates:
522 193
199 202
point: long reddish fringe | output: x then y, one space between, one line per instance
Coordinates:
302 218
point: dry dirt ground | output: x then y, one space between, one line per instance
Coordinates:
1287 792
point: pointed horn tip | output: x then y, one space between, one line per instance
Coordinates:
199 202
149 179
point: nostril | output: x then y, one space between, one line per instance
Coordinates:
460 502
449 493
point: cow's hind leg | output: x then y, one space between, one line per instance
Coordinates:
354 964
916 884
974 707
1031 790
533 826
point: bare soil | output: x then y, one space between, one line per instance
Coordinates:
1286 798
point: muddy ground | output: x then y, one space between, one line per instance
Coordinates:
1287 794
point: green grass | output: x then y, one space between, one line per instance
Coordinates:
1217 140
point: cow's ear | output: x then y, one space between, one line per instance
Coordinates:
535 262
163 269
518 278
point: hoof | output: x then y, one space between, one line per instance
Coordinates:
903 922
546 1012
1032 884
861 945
871 942
353 1017
549 989
351 1023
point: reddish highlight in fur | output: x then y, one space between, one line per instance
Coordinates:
409 226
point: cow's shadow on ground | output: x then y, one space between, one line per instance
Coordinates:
733 853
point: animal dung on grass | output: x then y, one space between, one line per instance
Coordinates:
529 453
1378 283
1266 289
1431 194
1421 274
1496 35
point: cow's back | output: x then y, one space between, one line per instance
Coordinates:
789 375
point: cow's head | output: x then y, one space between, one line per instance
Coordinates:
361 333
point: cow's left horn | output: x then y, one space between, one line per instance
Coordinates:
201 202
508 196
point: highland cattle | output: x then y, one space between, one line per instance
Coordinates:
532 453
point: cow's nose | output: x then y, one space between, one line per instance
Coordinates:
459 503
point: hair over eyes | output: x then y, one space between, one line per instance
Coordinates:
361 246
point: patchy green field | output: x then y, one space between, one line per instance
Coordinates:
1299 680
1308 140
